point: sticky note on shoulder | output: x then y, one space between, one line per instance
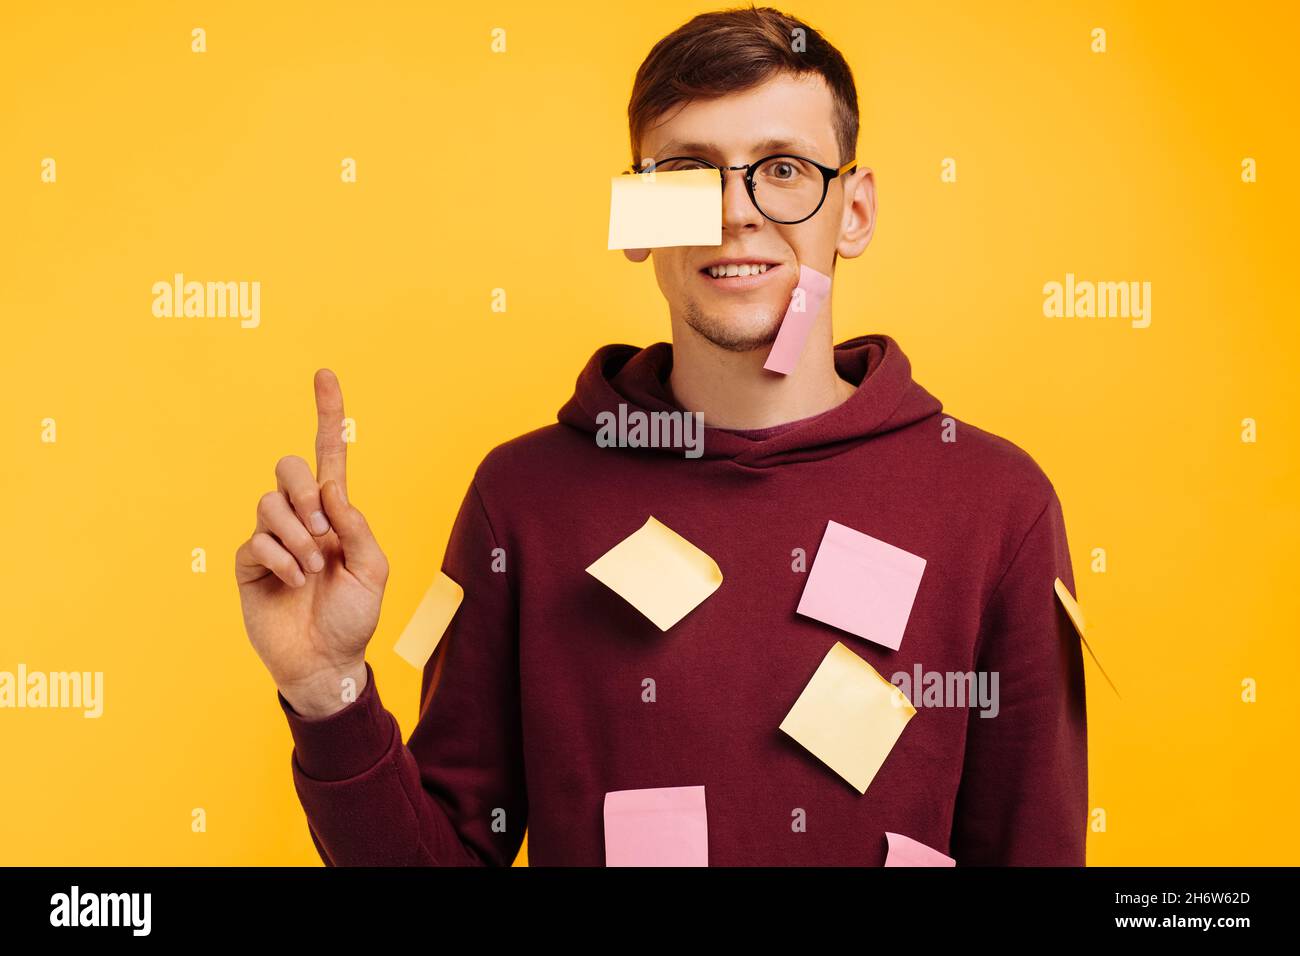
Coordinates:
652 210
862 585
849 717
904 851
421 635
658 572
667 826
806 303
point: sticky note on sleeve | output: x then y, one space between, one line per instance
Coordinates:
667 826
805 303
849 717
862 585
652 210
658 572
421 636
1075 614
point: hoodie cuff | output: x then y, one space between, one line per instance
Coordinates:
344 744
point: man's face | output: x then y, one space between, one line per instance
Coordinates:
785 114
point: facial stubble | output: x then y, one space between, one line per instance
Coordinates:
725 335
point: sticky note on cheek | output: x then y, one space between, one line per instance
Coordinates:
653 210
429 623
805 303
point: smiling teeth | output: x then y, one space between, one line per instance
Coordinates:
744 269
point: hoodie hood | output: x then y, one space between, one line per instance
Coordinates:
886 399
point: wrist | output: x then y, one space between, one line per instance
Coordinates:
326 692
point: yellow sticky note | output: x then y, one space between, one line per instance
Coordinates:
651 210
849 717
1075 614
1071 607
421 636
658 572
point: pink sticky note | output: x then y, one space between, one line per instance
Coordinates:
904 851
666 826
805 303
862 585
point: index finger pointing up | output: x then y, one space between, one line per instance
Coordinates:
331 450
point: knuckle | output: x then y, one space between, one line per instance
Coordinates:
266 504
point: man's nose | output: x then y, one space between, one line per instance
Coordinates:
737 210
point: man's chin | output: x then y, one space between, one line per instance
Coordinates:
734 334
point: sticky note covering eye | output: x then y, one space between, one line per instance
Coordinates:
421 636
862 585
849 717
667 826
904 851
658 572
805 303
652 210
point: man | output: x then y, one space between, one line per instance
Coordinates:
549 690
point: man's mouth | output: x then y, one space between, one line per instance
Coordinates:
739 273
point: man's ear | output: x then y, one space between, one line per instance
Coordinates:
859 214
637 255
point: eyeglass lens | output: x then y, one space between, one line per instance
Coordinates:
786 188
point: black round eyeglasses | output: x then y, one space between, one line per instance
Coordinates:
785 188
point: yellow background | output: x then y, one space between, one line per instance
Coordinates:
480 171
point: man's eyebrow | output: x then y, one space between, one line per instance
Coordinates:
764 147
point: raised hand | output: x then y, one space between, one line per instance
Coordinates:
312 576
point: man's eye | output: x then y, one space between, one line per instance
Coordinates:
678 165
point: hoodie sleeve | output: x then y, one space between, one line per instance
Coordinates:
454 794
1023 797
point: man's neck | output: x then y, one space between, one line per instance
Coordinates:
733 390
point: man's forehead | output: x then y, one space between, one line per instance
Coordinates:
777 143
783 114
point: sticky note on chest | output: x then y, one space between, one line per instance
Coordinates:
652 210
862 585
904 851
667 826
421 635
849 717
658 572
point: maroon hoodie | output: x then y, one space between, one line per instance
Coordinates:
532 705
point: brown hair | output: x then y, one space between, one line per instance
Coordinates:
732 50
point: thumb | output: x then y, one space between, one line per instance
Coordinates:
361 553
